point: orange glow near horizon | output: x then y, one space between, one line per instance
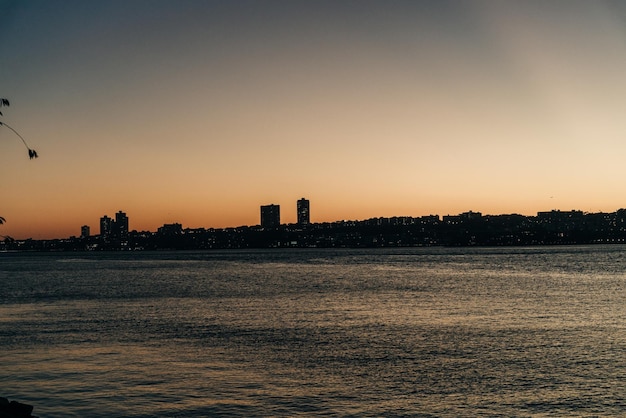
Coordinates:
199 113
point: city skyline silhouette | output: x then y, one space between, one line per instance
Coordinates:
270 218
322 208
468 228
194 112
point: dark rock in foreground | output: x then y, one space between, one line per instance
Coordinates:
14 409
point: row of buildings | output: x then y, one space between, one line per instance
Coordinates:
117 229
466 229
469 228
111 230
114 232
270 214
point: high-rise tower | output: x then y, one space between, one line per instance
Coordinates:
121 225
270 216
106 226
304 213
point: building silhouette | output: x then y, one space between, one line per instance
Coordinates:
85 231
114 231
304 212
106 226
554 227
170 229
120 229
270 216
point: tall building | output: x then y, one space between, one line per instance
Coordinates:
304 213
106 227
121 226
114 231
85 231
270 216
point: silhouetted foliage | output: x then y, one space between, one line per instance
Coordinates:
3 102
31 152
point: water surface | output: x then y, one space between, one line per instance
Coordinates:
402 332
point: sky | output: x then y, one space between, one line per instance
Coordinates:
199 112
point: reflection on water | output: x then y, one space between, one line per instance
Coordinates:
441 332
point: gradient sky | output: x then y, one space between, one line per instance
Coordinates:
198 112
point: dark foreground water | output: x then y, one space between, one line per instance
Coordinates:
404 332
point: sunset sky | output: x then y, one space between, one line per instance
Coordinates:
198 112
